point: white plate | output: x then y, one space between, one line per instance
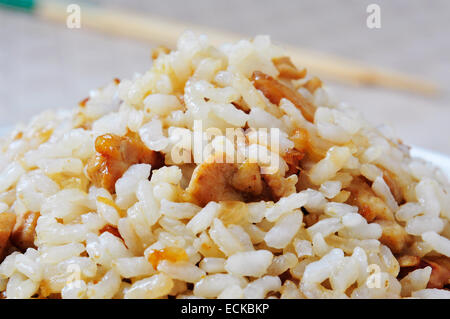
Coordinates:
436 158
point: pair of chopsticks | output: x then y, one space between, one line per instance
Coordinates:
166 32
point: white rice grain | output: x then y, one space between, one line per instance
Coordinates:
249 263
284 230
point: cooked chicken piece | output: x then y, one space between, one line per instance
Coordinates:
440 273
300 137
233 182
394 236
7 221
275 91
313 84
248 179
114 154
279 186
303 142
230 182
310 219
212 182
373 208
287 69
293 158
370 206
24 232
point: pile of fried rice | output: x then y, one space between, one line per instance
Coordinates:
139 193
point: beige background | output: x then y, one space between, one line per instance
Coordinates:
43 65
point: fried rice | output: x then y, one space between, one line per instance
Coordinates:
139 192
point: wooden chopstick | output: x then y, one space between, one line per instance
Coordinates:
166 32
